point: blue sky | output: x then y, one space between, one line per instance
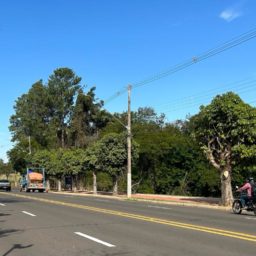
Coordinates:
111 43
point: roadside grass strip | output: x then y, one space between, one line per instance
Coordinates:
94 239
216 231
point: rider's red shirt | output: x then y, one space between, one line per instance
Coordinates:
247 186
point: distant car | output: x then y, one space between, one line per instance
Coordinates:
5 185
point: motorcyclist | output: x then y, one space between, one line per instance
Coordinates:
248 188
251 180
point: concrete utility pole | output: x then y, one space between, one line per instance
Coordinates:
29 145
129 158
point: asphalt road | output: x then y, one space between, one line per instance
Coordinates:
53 224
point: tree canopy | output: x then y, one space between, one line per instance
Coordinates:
226 131
62 127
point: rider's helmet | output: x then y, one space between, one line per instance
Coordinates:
251 180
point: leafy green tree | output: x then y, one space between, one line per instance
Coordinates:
114 157
62 88
93 162
87 119
29 123
109 155
19 157
44 159
72 164
226 131
50 160
169 162
147 115
5 169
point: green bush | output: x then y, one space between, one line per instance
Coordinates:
104 182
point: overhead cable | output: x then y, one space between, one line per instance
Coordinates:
195 59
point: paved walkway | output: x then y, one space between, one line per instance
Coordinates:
206 202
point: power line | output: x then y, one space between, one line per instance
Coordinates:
242 86
114 96
212 52
194 104
227 45
230 86
194 101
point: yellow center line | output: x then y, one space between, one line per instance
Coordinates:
216 231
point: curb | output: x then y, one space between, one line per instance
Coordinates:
156 200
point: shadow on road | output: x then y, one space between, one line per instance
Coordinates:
7 232
17 247
13 200
4 214
113 253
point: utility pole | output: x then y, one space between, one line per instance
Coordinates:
129 158
29 145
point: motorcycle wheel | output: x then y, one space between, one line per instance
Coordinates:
237 207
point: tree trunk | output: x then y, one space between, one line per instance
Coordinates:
115 188
74 183
226 188
62 138
59 184
47 185
94 183
81 182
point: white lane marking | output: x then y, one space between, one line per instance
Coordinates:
94 239
250 218
159 207
30 214
2 204
101 200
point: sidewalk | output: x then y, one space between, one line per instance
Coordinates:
205 202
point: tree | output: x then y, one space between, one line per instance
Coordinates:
87 119
109 155
29 123
114 157
72 164
93 162
63 86
226 131
149 116
5 169
170 162
18 158
50 160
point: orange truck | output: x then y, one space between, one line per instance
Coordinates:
34 180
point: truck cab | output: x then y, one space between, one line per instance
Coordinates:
33 180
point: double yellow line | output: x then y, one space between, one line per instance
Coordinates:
221 232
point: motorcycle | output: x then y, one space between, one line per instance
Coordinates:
238 205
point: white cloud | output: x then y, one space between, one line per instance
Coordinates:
230 14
